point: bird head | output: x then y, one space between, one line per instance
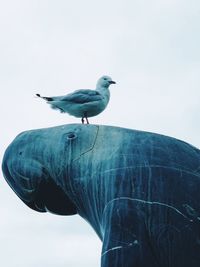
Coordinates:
105 81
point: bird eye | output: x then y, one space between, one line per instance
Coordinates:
105 79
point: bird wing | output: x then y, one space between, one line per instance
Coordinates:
82 96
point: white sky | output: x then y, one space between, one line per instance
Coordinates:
150 48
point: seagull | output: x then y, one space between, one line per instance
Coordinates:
83 103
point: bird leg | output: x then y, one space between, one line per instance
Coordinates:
82 120
85 116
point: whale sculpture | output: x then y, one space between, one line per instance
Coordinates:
140 191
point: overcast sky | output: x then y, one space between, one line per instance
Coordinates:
149 47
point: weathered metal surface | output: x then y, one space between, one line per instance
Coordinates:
138 190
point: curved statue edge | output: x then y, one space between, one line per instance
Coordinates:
138 190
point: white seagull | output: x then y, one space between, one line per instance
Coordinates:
83 103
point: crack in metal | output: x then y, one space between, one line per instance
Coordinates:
147 202
111 249
91 148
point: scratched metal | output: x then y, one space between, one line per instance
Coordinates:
138 190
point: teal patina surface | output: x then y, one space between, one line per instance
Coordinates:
138 190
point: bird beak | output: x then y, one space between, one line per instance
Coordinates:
112 82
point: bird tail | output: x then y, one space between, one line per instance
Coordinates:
44 97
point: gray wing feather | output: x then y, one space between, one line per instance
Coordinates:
82 96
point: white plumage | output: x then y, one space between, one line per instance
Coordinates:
83 103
